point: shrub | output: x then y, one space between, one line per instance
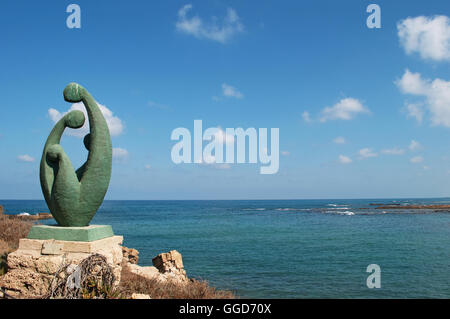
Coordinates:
12 229
95 289
96 280
131 283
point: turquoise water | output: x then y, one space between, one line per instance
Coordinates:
290 248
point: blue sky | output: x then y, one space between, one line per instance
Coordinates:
362 112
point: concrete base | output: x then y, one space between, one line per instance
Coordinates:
32 267
83 234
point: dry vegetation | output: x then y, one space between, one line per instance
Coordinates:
11 230
96 281
94 288
131 283
4 247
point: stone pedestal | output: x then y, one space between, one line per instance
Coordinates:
31 268
88 233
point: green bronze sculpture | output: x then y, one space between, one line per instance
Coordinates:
74 197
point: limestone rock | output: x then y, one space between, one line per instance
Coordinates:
167 267
166 262
171 266
146 272
25 283
32 267
130 255
140 296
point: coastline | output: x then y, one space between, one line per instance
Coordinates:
167 279
407 207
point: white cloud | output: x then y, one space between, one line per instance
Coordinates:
345 109
120 154
416 111
416 159
436 93
230 91
427 36
221 32
25 158
344 159
285 153
414 146
339 140
306 117
393 151
114 123
366 153
55 115
412 83
222 137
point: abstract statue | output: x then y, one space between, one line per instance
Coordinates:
74 197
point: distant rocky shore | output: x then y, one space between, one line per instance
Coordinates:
398 206
26 216
38 216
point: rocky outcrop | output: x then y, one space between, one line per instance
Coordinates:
130 255
167 262
405 207
171 264
2 210
38 216
140 296
32 267
167 267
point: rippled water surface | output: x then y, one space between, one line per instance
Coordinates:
290 248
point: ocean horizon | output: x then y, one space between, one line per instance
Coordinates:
316 248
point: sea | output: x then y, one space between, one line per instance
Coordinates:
289 248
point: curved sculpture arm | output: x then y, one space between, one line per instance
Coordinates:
96 172
50 165
66 187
